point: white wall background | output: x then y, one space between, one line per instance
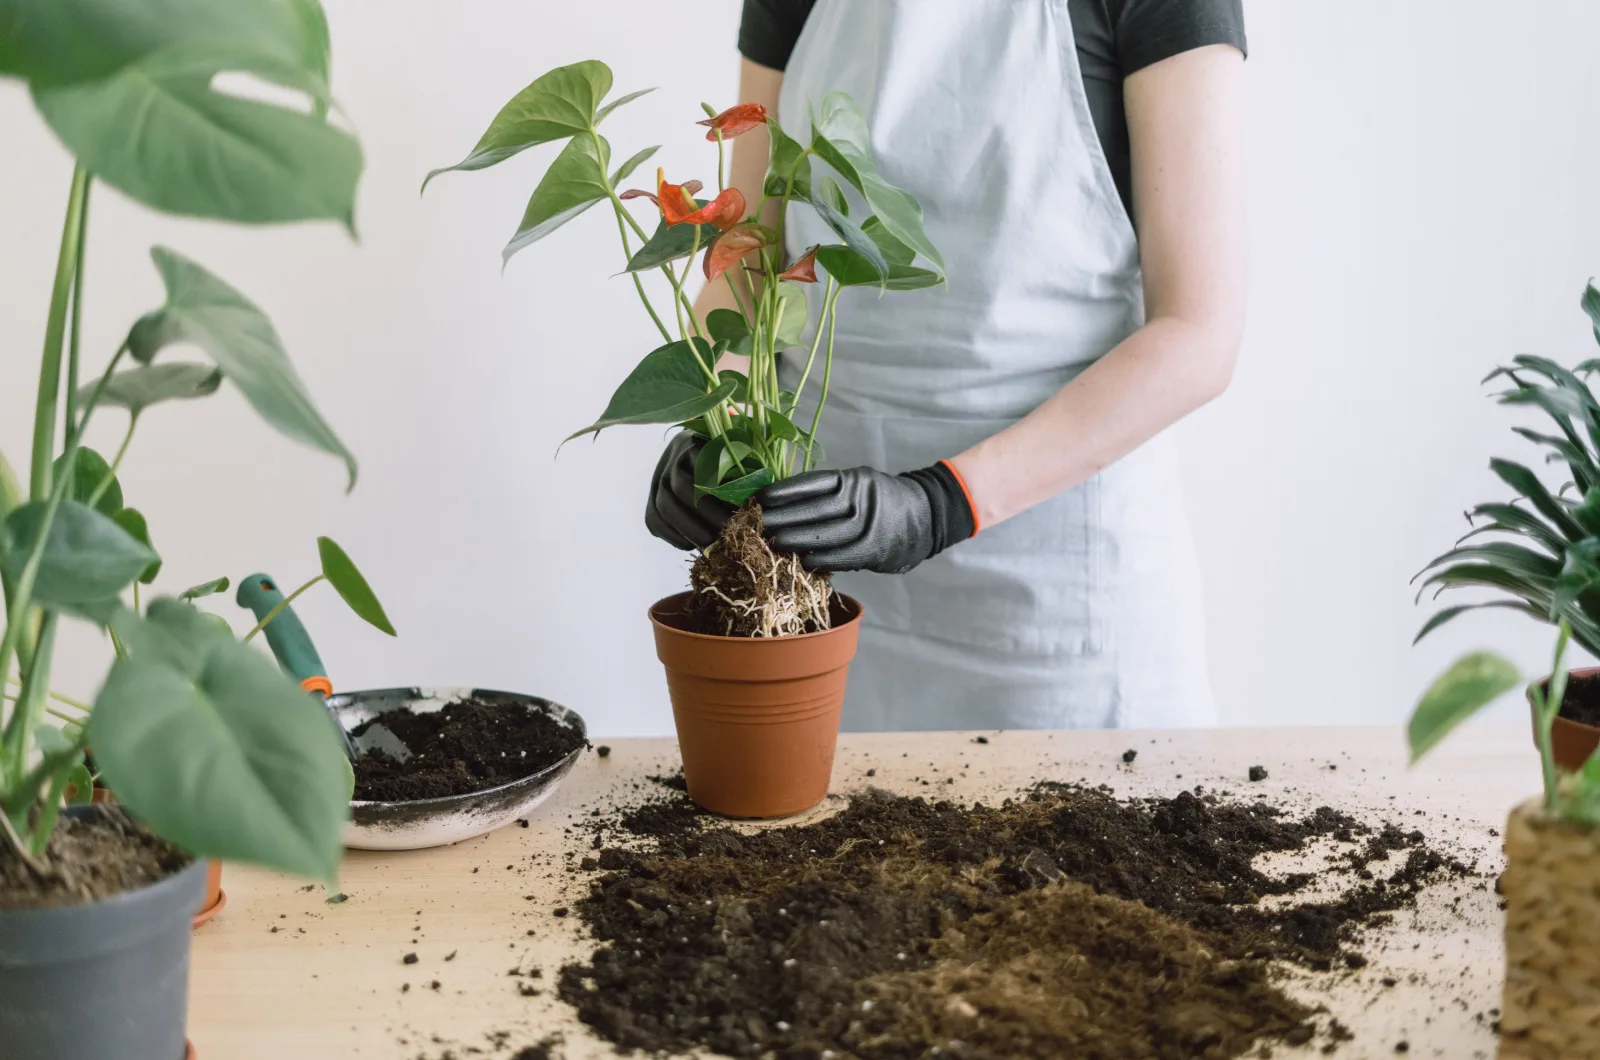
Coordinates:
1424 203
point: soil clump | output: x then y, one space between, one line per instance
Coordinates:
1065 922
466 746
1582 700
742 588
89 858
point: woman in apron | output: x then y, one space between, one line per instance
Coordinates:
999 489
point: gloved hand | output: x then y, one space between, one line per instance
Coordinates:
862 519
673 513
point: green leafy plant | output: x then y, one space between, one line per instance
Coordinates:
748 419
1542 548
196 733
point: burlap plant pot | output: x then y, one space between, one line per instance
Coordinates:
1551 1006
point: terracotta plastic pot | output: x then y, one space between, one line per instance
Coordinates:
1551 1006
1571 741
757 717
103 980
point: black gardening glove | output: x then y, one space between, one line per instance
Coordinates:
863 519
673 513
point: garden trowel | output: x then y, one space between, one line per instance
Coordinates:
291 646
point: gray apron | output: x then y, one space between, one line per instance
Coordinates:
1084 611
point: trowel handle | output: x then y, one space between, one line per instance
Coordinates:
286 635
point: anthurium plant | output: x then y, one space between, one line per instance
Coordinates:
198 735
752 425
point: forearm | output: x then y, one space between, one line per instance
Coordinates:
1152 379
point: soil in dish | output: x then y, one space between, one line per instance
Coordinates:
1582 700
470 745
89 858
1062 923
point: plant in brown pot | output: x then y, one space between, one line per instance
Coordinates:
209 750
1540 552
757 651
1551 1004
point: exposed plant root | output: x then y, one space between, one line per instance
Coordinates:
742 588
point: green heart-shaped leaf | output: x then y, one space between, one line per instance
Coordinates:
210 588
91 469
342 574
575 181
139 388
87 558
1475 681
791 318
669 243
850 269
787 163
856 240
132 521
742 489
633 163
204 310
668 386
207 741
560 103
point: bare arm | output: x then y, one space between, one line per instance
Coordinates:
747 171
1186 131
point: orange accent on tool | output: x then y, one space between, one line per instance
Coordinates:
977 523
320 685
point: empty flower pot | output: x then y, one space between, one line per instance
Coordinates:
1551 1006
757 717
1571 741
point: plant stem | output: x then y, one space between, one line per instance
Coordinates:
57 696
111 473
26 715
136 597
285 602
46 408
1547 704
24 850
827 375
722 184
77 311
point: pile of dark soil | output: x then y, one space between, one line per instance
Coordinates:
88 858
1066 923
742 588
1582 700
468 746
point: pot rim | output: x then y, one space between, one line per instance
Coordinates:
1576 671
849 601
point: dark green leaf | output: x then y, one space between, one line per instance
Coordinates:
1483 575
728 325
621 101
1591 305
1475 681
159 130
786 160
896 252
1587 511
1512 519
560 103
1512 557
839 135
865 250
237 336
91 470
783 428
828 191
708 464
351 586
87 557
132 522
1527 483
575 181
139 388
210 588
210 743
668 386
742 489
850 269
627 168
669 243
1449 613
741 384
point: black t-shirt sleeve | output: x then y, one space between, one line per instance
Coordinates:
1148 31
768 30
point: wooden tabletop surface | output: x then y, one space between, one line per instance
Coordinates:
281 974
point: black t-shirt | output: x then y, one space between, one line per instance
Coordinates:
1114 39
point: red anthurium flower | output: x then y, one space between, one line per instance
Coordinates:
736 121
678 207
730 246
803 270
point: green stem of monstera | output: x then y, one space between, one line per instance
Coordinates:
116 463
282 604
47 407
827 376
1547 704
73 342
57 696
29 709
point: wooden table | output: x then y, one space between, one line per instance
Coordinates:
283 975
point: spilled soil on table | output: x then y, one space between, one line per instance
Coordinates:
466 746
1062 923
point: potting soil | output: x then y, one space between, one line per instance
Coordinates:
742 588
1064 923
467 746
89 859
1582 700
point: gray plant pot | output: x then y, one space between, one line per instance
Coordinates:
106 981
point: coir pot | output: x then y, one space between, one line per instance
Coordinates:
1551 1006
103 981
1571 741
757 717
